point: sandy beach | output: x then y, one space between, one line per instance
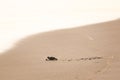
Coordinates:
75 48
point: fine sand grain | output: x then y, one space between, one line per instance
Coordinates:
75 49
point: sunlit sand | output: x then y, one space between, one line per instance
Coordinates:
84 53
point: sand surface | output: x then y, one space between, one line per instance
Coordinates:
73 48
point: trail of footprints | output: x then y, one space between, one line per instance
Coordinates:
84 59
